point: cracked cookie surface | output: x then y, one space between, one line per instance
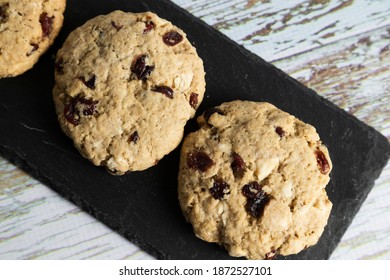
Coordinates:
126 84
253 179
27 29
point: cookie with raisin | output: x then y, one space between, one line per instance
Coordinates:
27 29
126 84
253 179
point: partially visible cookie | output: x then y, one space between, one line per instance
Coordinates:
126 84
27 29
253 179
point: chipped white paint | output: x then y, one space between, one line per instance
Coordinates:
340 48
273 29
36 223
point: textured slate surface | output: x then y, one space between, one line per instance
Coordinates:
143 206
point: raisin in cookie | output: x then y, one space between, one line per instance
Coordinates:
126 84
27 29
253 179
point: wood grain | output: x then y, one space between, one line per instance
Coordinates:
352 73
273 29
36 223
340 48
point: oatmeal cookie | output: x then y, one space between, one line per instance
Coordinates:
253 179
27 29
126 84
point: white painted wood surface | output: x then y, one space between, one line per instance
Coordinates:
340 48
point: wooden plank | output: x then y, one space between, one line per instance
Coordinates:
32 214
352 73
342 56
275 29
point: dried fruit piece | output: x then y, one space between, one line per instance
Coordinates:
172 38
89 83
238 165
149 26
219 189
3 14
167 91
116 26
86 106
146 73
207 114
46 23
199 160
250 190
134 137
79 106
257 199
35 47
322 162
194 100
69 113
280 131
59 66
140 68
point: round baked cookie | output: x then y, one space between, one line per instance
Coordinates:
253 178
126 84
27 29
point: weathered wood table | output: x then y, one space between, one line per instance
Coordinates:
340 48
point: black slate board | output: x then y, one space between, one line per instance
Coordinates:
143 206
